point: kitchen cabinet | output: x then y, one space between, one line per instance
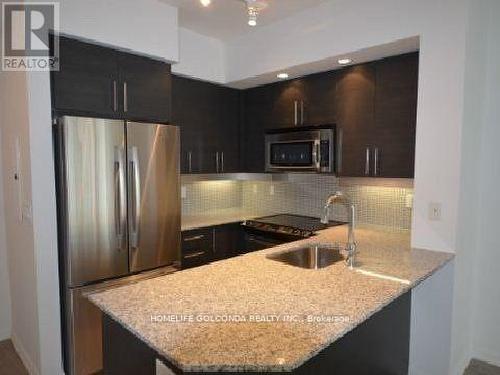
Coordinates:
228 241
395 116
197 247
103 82
204 245
209 118
355 115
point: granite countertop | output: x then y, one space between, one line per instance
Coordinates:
218 217
281 316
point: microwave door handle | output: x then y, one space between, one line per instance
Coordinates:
317 154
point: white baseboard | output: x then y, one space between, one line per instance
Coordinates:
27 361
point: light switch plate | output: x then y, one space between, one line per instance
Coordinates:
435 211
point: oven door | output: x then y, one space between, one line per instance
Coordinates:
298 151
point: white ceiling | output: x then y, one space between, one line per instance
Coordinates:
226 19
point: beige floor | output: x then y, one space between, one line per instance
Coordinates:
10 363
481 368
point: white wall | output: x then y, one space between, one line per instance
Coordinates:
201 57
486 292
20 240
147 26
5 322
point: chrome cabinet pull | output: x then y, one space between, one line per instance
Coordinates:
217 161
340 140
376 162
136 197
296 112
190 162
194 238
367 161
194 255
125 97
301 112
222 161
115 97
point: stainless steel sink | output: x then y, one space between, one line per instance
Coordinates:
311 257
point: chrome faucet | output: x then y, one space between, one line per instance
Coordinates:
350 247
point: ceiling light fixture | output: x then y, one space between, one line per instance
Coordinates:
344 61
282 75
253 9
205 3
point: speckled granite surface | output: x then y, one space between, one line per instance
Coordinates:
312 308
218 217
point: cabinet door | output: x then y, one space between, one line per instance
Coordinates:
228 130
196 112
354 107
228 241
145 88
395 116
87 80
319 98
258 103
287 103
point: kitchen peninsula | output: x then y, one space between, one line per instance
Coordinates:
316 313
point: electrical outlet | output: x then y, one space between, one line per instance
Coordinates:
409 201
183 192
271 190
435 211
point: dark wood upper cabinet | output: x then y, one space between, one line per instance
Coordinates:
319 95
209 118
355 114
86 80
395 116
145 88
99 81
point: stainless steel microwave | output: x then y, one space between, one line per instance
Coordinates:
304 149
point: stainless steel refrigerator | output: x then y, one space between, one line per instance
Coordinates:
118 187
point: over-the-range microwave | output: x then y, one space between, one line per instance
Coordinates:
301 149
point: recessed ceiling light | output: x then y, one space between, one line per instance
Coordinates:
282 75
205 3
252 22
344 61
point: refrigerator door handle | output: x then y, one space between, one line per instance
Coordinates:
120 202
135 185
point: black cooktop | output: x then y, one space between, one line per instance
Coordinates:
301 226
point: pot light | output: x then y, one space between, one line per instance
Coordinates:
344 61
205 3
282 75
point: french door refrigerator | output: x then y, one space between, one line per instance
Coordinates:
118 218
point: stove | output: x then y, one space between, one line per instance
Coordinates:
273 230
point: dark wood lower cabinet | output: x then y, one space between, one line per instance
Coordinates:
378 346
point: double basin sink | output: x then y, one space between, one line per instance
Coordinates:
314 256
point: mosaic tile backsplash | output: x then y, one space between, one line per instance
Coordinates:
379 205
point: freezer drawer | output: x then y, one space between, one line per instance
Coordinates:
83 324
154 214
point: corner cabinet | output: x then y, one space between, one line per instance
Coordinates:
99 81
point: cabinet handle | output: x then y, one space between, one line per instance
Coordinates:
217 161
376 161
190 161
194 238
222 161
367 161
301 112
194 255
115 97
296 112
125 97
340 140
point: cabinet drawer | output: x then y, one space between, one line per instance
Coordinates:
197 247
